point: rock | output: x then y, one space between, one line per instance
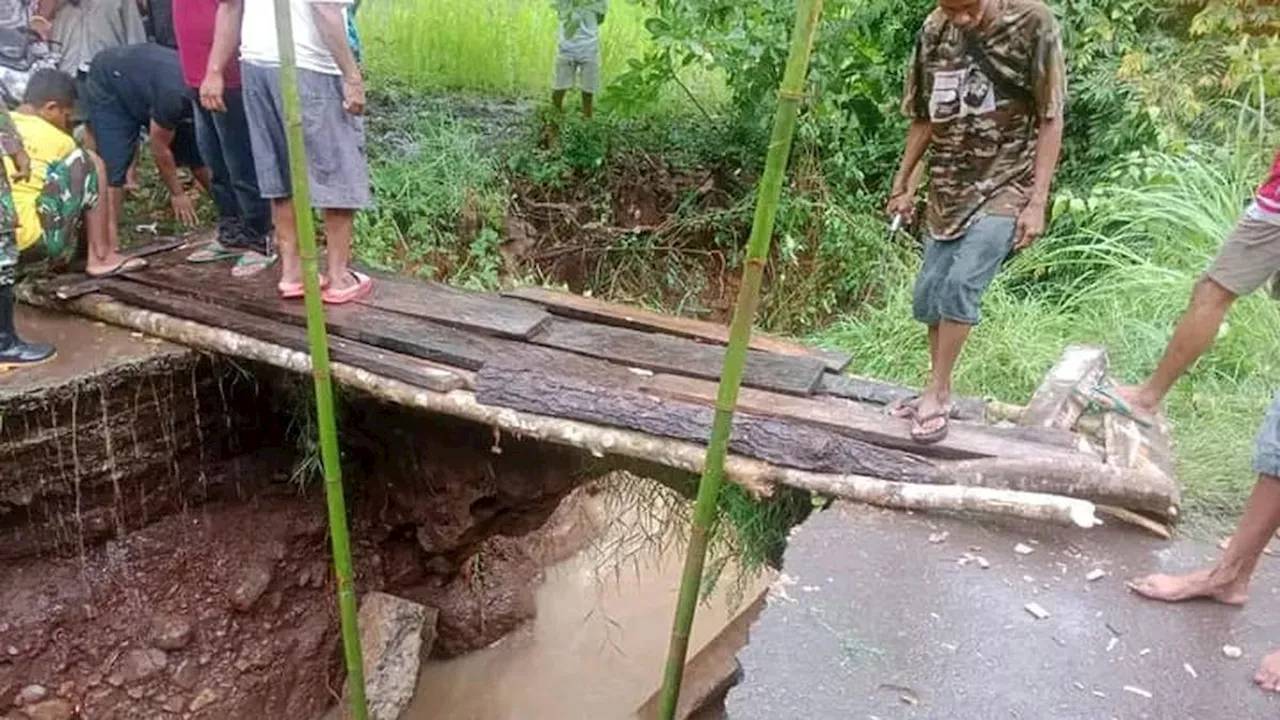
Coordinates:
253 583
982 562
134 693
170 632
391 635
1022 549
186 675
1095 574
31 695
1137 691
202 700
1232 652
139 665
52 709
1190 670
939 537
174 704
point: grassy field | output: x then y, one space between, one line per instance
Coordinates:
496 46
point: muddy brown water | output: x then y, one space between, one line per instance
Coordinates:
595 650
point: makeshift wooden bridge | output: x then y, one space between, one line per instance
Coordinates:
627 383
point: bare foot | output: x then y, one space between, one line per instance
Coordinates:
1140 400
112 262
343 281
1268 675
1205 584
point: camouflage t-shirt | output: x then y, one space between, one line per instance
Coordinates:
985 90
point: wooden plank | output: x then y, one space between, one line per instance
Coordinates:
579 307
371 326
664 353
489 314
577 388
969 409
870 424
1055 403
392 365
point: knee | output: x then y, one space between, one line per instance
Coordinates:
958 300
1209 293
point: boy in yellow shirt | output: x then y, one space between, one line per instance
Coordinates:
57 193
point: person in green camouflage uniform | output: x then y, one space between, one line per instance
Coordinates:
985 93
13 351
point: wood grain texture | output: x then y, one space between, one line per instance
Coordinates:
577 388
579 307
1055 403
489 314
862 389
664 353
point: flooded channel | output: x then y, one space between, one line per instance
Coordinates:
595 650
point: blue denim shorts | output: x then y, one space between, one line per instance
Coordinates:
1266 456
956 273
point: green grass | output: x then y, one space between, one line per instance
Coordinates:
494 46
1121 278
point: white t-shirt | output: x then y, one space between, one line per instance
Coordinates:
258 35
579 37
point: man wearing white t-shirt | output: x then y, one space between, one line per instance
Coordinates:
331 88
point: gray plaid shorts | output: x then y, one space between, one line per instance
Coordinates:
1266 455
336 163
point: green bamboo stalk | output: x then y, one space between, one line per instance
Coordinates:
319 340
767 195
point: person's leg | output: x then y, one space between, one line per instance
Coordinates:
338 174
977 257
590 86
1228 580
557 100
68 200
237 154
562 81
938 257
1248 258
230 228
264 115
14 352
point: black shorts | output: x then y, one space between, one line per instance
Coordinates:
117 132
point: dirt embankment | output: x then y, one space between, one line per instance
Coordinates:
221 603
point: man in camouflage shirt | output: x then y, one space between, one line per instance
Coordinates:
985 93
13 351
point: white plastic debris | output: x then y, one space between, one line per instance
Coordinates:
1190 670
1137 691
1036 611
1022 549
1232 652
1095 575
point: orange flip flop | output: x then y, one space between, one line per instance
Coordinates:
363 285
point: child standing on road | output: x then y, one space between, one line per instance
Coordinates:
579 52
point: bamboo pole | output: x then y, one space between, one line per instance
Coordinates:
768 193
319 340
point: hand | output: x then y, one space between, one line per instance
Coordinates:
1030 225
903 204
184 209
41 27
353 95
211 92
21 166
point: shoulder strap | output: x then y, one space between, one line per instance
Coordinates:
1010 89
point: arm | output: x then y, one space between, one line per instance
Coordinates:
161 139
135 32
1050 90
42 20
902 198
11 143
331 22
226 38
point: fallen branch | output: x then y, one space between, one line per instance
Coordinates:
1078 477
1132 518
1039 507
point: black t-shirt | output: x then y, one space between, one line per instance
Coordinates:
142 81
160 23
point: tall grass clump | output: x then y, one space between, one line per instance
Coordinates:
494 46
1118 272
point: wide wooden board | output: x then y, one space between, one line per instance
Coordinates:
577 388
593 310
665 353
388 330
882 393
392 365
870 424
489 314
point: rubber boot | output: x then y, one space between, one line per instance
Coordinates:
14 353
